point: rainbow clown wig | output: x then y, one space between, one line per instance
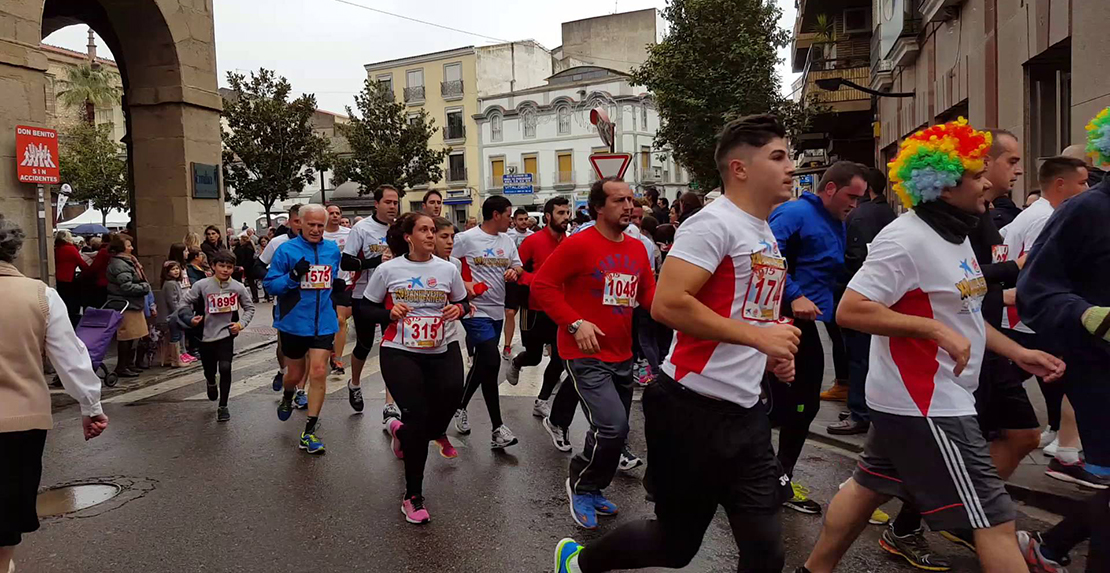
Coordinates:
935 158
1098 138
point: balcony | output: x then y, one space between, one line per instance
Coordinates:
845 99
454 133
494 182
563 179
456 175
451 90
414 95
934 10
882 69
906 46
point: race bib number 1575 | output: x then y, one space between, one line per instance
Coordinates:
318 277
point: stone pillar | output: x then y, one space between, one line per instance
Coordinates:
1090 84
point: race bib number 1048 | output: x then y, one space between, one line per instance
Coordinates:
620 289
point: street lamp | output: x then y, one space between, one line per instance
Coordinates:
833 84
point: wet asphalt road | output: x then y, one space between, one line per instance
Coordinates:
241 497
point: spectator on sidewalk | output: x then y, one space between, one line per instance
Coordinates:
96 282
67 261
127 290
213 243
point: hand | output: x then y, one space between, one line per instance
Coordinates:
300 269
94 425
235 328
511 275
399 311
783 369
954 343
387 255
586 337
452 312
1041 364
1021 261
196 320
804 309
1009 297
779 341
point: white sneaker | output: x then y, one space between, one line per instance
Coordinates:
462 425
390 412
542 408
502 438
507 353
629 461
1047 437
1050 449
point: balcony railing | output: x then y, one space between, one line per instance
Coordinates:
563 179
456 174
451 89
454 132
414 94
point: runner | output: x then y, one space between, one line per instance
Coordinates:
537 329
454 333
293 224
341 292
601 274
417 293
301 276
366 249
433 203
920 293
516 295
222 297
645 349
489 261
709 437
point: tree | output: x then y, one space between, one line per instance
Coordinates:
270 150
94 166
696 95
90 87
387 145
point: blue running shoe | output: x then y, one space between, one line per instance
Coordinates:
279 381
603 506
564 551
285 409
582 508
311 444
300 400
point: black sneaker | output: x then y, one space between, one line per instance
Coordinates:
355 395
222 414
965 539
337 368
213 391
1076 473
279 381
285 408
629 461
914 549
801 502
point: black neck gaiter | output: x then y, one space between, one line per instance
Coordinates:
951 223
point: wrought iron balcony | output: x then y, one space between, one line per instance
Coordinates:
456 174
451 90
414 94
454 132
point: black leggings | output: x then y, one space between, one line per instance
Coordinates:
795 405
537 330
216 355
487 364
651 543
427 388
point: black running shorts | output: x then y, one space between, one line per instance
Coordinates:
296 347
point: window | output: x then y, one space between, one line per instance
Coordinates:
855 20
528 118
643 117
415 78
529 164
563 114
566 167
455 129
495 127
414 86
411 118
51 101
452 72
452 86
645 159
456 167
386 81
496 172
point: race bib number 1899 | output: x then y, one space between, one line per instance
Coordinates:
422 331
620 289
222 303
764 298
318 277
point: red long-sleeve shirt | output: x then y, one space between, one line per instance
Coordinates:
67 259
592 278
99 267
533 252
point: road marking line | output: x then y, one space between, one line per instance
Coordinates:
240 388
170 385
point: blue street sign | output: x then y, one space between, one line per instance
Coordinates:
517 184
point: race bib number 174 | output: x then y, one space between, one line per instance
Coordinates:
764 297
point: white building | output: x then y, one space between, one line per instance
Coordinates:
546 131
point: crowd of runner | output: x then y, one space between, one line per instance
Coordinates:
936 318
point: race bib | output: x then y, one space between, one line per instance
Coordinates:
318 277
223 303
764 297
422 331
1000 254
620 289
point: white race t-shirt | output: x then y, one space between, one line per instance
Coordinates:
366 240
426 288
455 332
747 283
340 238
271 247
517 236
912 270
1018 239
487 257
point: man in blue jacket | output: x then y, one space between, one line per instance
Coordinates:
810 234
301 275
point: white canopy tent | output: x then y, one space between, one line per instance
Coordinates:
116 219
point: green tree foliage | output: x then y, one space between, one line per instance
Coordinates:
387 146
89 86
94 166
270 150
717 63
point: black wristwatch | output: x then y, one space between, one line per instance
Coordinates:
573 327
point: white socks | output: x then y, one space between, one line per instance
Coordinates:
1067 455
572 564
352 386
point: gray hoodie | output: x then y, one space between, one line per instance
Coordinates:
215 325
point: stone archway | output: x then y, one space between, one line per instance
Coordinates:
166 54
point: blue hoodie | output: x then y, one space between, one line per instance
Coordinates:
302 312
813 242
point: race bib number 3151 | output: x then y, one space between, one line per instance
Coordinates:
620 289
764 297
318 277
422 331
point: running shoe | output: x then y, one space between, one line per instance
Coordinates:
213 390
566 550
300 400
646 379
1030 544
1050 449
462 425
337 367
558 435
223 414
542 408
279 381
187 358
354 394
1047 437
445 448
311 444
603 506
963 539
390 412
801 502
1076 473
285 408
502 438
879 517
395 443
414 510
629 461
582 508
507 352
513 375
914 549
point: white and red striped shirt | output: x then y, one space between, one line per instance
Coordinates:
1018 238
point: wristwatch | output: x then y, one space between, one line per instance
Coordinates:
573 327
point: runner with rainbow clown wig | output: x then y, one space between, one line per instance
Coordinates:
935 158
1098 138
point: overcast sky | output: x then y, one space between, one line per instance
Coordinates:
321 45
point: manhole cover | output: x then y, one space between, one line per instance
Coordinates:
71 498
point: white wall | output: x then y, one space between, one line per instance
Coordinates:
513 66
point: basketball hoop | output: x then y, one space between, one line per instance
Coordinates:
605 128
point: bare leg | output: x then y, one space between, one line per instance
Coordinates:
6 555
317 379
295 373
1069 431
998 549
344 313
510 326
844 521
1008 452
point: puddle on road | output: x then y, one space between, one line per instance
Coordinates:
71 498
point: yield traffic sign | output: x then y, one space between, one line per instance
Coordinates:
610 164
